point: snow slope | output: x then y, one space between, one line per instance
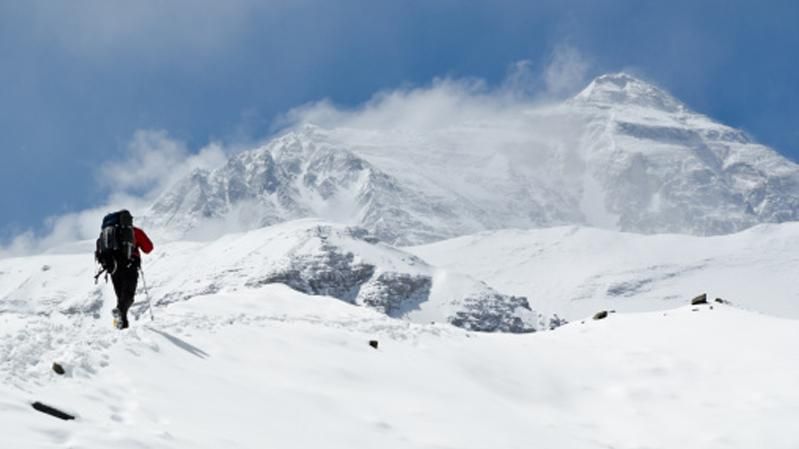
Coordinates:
271 367
310 256
237 359
621 155
577 271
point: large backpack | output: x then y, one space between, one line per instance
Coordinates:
117 241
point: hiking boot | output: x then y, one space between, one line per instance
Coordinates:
118 322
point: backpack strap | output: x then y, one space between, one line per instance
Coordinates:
97 276
105 270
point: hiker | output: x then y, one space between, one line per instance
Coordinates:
118 252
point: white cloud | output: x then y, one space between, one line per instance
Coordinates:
522 81
154 161
69 228
449 101
566 72
443 103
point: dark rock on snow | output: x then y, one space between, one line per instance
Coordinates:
52 411
58 369
601 315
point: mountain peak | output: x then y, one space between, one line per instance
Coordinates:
620 79
623 154
624 89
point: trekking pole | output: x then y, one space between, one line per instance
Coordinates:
147 294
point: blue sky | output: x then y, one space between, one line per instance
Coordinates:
78 79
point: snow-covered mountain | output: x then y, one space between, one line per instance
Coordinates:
621 155
309 256
256 342
577 271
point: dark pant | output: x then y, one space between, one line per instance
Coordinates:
125 280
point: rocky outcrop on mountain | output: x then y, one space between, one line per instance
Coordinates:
491 312
328 263
327 272
395 293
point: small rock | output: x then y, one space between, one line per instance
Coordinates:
701 299
373 343
695 310
721 301
601 315
58 368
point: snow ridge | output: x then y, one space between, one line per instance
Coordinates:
311 257
616 89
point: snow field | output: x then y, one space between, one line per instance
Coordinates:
577 271
274 368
